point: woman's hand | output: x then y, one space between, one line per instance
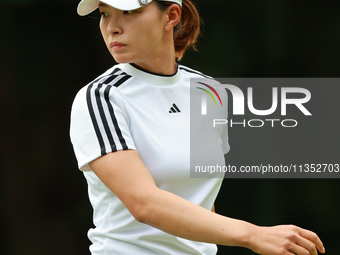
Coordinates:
285 240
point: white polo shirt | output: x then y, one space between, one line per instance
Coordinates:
128 108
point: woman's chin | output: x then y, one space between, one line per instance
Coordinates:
119 58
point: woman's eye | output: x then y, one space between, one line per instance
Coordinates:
104 14
128 12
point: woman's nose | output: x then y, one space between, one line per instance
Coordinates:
114 26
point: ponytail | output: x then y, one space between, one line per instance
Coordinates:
187 30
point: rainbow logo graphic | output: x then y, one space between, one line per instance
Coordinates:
204 98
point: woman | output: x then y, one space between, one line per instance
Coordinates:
130 132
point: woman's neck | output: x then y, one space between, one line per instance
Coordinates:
165 69
164 63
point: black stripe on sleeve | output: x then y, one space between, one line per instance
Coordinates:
94 120
103 118
108 76
122 80
195 72
111 78
114 119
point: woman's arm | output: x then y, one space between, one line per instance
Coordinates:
124 173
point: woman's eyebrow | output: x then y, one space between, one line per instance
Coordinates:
102 5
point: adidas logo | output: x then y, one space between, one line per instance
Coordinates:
174 109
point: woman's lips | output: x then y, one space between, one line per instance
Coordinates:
116 45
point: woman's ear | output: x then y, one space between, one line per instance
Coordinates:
174 16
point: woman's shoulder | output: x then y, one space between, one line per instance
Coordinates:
193 72
114 77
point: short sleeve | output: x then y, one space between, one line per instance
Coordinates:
99 124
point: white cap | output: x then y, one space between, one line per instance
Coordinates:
87 6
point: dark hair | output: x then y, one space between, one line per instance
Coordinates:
187 31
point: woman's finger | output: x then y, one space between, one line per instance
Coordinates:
300 250
312 237
306 245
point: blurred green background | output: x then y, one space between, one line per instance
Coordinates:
48 53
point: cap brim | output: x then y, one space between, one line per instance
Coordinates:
87 6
